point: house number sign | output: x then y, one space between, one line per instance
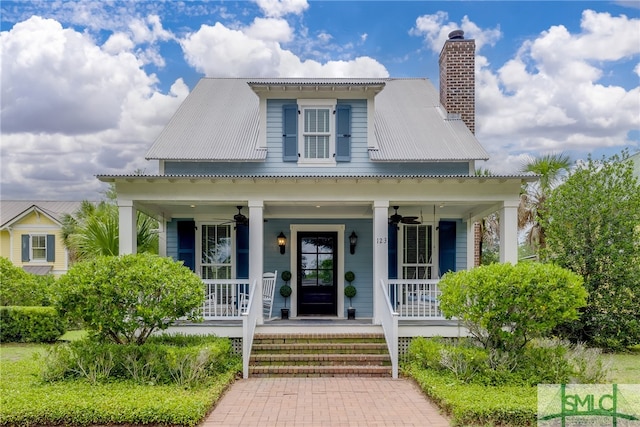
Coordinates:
381 240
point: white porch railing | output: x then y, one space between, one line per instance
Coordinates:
389 320
415 299
225 298
250 316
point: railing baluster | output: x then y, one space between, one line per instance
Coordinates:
415 299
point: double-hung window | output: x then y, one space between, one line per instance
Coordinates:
316 132
418 252
317 123
216 252
38 247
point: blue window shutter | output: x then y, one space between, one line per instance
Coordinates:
447 247
242 251
393 251
25 248
187 243
290 133
343 133
51 248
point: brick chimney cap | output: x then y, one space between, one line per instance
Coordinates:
456 35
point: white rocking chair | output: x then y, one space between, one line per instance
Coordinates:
268 292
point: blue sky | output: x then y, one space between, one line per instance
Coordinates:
88 85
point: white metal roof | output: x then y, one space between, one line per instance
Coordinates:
219 121
410 125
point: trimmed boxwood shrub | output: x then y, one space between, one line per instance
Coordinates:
30 324
21 288
124 299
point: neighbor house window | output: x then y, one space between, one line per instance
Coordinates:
38 247
417 255
216 260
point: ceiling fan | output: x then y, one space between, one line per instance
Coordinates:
396 218
240 218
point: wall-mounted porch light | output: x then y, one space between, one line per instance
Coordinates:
353 240
282 242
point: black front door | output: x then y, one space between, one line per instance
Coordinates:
317 264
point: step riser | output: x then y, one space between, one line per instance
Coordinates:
320 355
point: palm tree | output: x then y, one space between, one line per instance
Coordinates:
550 168
93 231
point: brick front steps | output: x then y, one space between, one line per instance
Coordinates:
319 355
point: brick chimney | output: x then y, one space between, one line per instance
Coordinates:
457 78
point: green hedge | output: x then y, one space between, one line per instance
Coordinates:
22 288
475 404
26 401
30 324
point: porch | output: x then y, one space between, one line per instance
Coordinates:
233 308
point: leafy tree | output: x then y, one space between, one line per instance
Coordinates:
505 306
593 229
532 209
21 288
125 299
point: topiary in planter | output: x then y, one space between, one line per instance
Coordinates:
285 291
350 290
349 276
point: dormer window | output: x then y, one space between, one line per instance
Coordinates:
316 132
317 142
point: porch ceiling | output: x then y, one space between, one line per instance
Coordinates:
310 210
216 198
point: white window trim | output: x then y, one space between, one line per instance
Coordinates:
435 274
200 228
317 103
32 258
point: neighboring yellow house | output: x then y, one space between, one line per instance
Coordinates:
31 235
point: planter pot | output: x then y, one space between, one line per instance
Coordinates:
284 313
351 313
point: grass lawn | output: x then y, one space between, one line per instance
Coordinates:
625 367
477 405
26 401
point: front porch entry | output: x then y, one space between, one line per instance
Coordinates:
317 273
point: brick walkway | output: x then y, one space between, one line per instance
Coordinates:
347 401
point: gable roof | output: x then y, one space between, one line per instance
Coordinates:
13 210
219 121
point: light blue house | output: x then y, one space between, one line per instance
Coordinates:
319 177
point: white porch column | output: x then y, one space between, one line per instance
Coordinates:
256 250
471 244
162 237
127 226
380 250
509 231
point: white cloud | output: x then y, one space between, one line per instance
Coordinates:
219 51
72 109
270 29
435 31
279 8
550 96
